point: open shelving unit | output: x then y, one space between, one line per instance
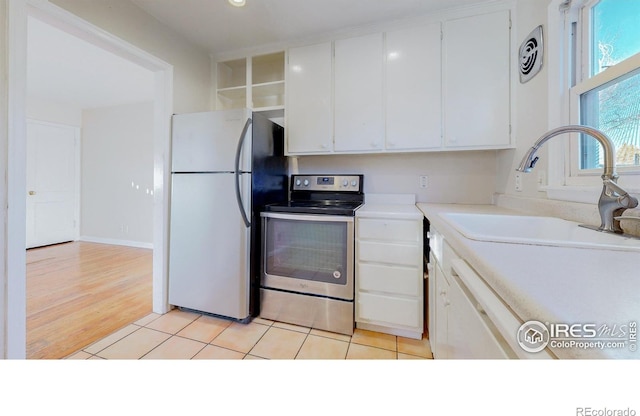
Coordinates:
255 82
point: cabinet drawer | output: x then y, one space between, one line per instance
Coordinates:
388 309
389 230
399 280
402 254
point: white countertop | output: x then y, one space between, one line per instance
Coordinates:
553 284
397 211
397 206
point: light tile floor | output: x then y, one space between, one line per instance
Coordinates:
188 335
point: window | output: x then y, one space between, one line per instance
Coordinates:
607 90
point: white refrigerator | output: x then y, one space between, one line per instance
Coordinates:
226 165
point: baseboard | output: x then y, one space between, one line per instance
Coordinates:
116 242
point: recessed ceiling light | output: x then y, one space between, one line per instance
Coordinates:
237 3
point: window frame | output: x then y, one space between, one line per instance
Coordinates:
571 20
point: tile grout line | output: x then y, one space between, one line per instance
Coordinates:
306 336
114 342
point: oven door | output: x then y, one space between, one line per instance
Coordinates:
309 254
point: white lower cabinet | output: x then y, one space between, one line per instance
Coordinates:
471 333
389 271
458 326
466 318
439 336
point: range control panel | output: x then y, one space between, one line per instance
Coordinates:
334 183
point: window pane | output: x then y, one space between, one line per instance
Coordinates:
613 108
615 31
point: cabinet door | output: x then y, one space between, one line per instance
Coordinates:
309 111
476 81
413 82
442 349
431 300
469 334
359 123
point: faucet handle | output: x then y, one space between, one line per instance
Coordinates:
624 199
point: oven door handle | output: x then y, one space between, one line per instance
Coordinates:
243 137
307 217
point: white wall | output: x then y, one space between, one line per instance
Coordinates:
191 65
4 140
42 110
117 175
453 177
532 120
531 108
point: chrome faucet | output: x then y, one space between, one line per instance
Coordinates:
613 199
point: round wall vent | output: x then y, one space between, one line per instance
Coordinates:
531 53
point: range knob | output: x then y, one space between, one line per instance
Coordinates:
345 183
306 182
298 182
354 183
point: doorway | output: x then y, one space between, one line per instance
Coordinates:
19 12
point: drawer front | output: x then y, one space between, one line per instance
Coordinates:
408 255
389 230
389 310
391 279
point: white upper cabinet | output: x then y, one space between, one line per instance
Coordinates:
476 81
439 85
309 114
358 113
413 88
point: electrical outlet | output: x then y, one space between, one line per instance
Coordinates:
424 181
519 182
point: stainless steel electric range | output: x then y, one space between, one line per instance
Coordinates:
308 267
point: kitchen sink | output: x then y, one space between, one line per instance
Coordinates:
534 230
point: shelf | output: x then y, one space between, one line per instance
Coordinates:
232 73
265 91
267 68
268 94
234 93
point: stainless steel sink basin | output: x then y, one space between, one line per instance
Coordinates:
533 230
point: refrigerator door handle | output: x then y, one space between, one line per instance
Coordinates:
243 137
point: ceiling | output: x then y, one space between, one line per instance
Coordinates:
219 27
65 69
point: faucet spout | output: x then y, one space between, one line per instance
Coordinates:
530 157
613 199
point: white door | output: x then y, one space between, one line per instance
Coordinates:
309 99
476 81
207 142
52 172
359 117
413 88
209 244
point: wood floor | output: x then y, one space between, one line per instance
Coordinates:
79 292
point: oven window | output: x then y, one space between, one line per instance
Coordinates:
309 250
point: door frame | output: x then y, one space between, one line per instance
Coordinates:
13 324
